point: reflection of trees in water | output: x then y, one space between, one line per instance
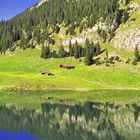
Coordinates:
62 122
136 111
106 127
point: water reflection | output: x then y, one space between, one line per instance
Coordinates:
92 121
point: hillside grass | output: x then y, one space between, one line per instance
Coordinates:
134 15
20 70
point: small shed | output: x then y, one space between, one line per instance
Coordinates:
67 66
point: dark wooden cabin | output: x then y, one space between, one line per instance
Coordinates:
67 67
43 72
46 73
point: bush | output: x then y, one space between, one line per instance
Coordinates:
128 61
134 62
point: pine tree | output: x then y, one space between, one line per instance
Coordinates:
61 52
136 54
126 2
88 57
76 50
107 56
45 52
80 51
70 49
98 49
83 53
32 44
54 54
98 30
125 16
87 43
43 22
104 35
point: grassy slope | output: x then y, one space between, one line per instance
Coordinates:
134 15
21 69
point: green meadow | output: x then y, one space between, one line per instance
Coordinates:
19 72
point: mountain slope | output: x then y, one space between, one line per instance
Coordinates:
128 34
58 21
50 22
39 24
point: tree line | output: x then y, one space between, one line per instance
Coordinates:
39 23
88 51
136 56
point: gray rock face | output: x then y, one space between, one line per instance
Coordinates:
128 39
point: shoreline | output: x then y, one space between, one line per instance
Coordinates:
16 89
33 99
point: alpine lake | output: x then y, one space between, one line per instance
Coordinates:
78 121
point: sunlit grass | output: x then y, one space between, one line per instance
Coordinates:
23 67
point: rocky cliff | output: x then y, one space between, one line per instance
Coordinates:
128 39
128 34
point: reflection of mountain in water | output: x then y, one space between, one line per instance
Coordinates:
93 121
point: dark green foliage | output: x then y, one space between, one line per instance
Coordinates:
81 27
71 30
136 54
61 52
126 2
50 15
83 52
88 60
32 45
128 61
119 16
54 54
91 51
71 51
51 40
99 31
111 60
104 35
56 29
76 51
111 35
87 43
98 62
134 62
45 52
89 56
107 56
125 16
97 49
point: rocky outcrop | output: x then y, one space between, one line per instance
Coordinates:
41 2
128 39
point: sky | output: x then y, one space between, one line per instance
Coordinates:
10 8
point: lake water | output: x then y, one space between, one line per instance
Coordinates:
91 121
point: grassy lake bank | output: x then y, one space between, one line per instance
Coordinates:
19 73
34 99
20 70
